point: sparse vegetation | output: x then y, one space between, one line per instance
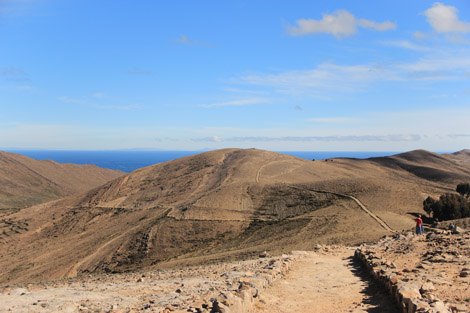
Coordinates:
449 206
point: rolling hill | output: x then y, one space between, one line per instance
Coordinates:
220 205
26 181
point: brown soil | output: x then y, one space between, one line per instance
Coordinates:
26 181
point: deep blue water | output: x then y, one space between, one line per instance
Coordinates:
129 160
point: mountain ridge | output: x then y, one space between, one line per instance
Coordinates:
26 181
218 205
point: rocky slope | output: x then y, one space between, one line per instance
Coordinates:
220 205
231 286
427 273
26 181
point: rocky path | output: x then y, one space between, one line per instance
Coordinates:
325 282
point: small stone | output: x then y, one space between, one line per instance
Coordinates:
458 230
460 307
427 287
263 254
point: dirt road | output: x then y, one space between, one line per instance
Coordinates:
325 282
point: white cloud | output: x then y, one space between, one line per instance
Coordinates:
340 24
239 102
387 25
444 19
208 139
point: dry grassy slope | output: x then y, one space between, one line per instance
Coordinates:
218 205
462 156
26 181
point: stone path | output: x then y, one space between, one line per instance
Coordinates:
325 282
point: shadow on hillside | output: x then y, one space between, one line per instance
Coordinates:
374 294
426 219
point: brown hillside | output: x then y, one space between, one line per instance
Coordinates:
462 156
26 181
427 165
220 205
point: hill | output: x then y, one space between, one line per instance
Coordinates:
221 205
26 181
462 156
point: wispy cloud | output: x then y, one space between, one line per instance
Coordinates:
444 19
340 24
384 138
185 40
244 91
457 38
72 100
208 139
98 95
325 77
333 120
405 44
443 62
15 74
238 102
139 71
16 7
459 135
420 35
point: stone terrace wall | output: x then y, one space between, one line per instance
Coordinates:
413 288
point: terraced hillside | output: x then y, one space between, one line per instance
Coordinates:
221 205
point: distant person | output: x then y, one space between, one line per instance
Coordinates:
419 225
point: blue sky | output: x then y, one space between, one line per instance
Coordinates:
276 75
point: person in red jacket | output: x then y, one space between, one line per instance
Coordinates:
419 225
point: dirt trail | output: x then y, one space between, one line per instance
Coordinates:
358 202
325 282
